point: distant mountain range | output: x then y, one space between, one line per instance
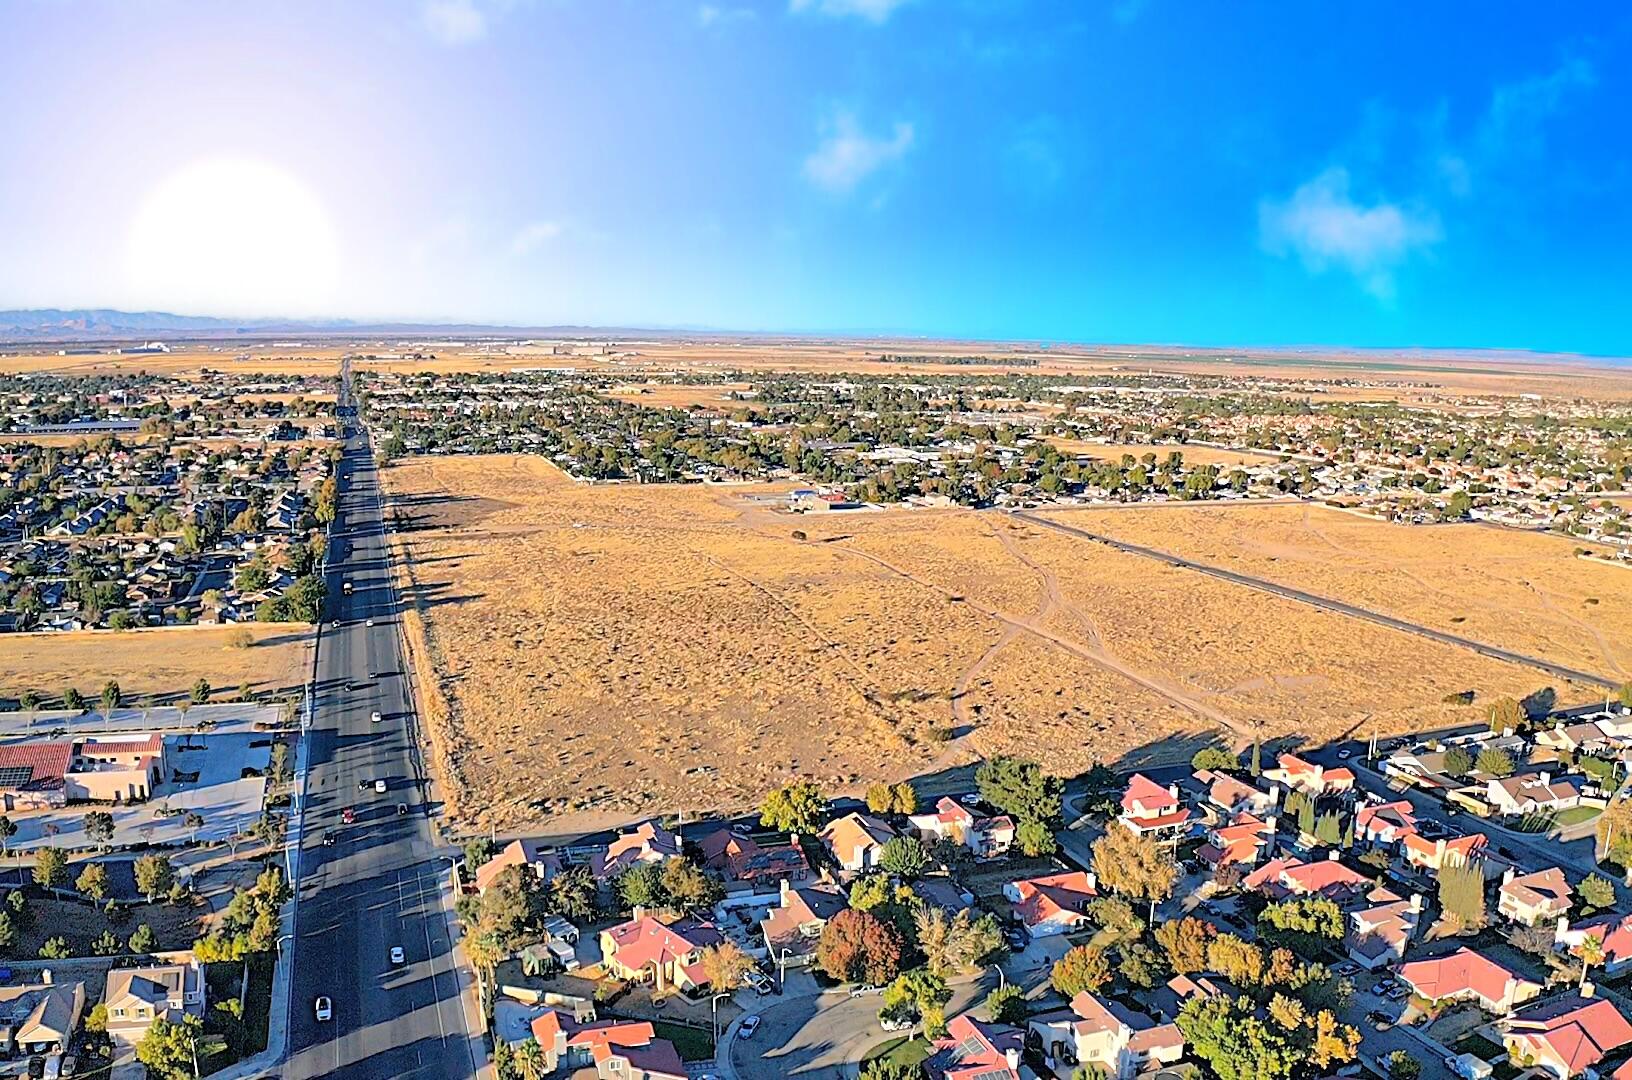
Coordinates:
79 324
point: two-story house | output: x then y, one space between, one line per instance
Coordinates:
1104 1037
647 950
138 996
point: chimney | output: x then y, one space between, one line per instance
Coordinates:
45 976
1331 856
1093 880
1416 901
639 913
1507 875
783 891
1561 929
1587 989
1546 777
1012 1056
1173 790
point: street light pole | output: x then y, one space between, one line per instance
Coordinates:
1001 981
782 969
714 1015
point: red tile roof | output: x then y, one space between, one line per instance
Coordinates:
1579 1031
1041 899
47 762
1462 972
972 1049
646 940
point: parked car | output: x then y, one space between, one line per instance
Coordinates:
749 1026
894 1023
866 989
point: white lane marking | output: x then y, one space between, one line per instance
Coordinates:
430 955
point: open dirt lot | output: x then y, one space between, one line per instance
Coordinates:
161 662
1523 591
628 649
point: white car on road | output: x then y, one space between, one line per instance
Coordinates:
749 1026
379 786
397 956
375 717
325 1009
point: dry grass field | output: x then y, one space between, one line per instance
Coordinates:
1523 591
610 650
671 396
162 663
1193 454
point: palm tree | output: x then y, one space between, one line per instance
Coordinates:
529 1057
485 954
1591 952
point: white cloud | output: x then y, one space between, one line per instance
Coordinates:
714 15
532 236
1323 225
1519 111
847 155
453 22
874 11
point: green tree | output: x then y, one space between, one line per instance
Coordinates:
55 948
105 944
1006 1005
98 826
1596 893
144 940
1236 1044
573 893
1458 762
479 851
1035 838
1212 757
93 881
73 700
111 697
8 931
1018 787
154 875
642 886
50 868
687 887
914 993
201 690
905 857
1185 942
1402 1066
1081 968
1494 761
881 1069
799 807
1462 893
8 829
170 1049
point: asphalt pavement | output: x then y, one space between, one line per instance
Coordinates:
381 883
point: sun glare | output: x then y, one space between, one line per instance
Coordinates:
234 237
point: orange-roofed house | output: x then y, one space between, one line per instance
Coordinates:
1385 823
856 840
976 1051
627 1049
1284 877
1106 1037
1565 1036
1307 776
1533 899
1241 842
1232 795
529 855
987 838
1150 809
647 950
648 842
1054 904
1433 855
1466 975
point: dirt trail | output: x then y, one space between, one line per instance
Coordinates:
1570 617
1094 655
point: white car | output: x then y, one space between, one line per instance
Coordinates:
749 1026
1344 755
368 622
325 1009
397 957
379 786
375 717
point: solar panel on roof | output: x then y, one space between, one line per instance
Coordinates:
15 775
972 1047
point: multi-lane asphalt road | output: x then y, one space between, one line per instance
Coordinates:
378 882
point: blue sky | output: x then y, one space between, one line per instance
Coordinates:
1380 174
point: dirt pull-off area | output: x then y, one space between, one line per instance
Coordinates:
618 650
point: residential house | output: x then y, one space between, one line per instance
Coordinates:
1431 855
1466 975
1054 904
648 842
987 837
39 1018
138 996
1613 931
1308 777
1287 876
1231 795
793 928
856 839
973 1050
646 949
1587 738
624 1049
1385 823
740 858
1565 1036
1105 1037
1534 899
1532 793
1152 810
1378 935
530 855
1240 842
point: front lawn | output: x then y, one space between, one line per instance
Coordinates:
1577 815
909 1050
694 1044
